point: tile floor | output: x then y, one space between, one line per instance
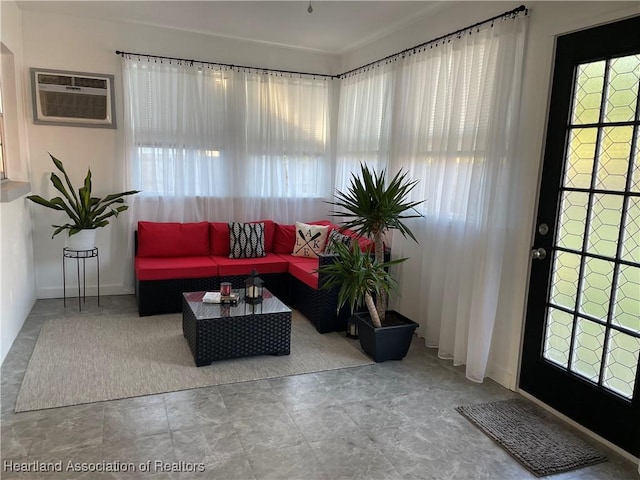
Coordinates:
394 420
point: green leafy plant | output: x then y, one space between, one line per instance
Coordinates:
371 207
360 277
84 211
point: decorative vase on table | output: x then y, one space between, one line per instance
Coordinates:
83 240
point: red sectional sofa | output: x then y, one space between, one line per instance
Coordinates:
172 258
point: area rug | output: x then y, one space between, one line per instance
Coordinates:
107 357
541 444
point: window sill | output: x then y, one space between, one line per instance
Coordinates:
10 191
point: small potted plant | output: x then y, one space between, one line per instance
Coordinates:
371 208
86 213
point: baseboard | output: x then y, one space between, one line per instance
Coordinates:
573 423
502 376
92 291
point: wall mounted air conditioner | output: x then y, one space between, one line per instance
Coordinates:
72 98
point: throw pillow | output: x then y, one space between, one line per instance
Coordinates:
336 237
310 240
246 240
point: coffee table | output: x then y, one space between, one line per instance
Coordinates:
222 331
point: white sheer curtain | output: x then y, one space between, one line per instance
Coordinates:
365 116
205 143
449 119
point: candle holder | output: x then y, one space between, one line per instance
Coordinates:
253 288
352 327
225 289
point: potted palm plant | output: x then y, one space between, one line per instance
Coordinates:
86 213
371 207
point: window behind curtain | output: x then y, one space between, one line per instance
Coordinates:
287 135
364 124
208 132
430 114
447 114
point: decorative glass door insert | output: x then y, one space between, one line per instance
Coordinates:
592 325
581 344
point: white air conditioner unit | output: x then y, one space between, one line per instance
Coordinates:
72 98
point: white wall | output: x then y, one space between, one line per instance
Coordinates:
547 20
17 279
68 43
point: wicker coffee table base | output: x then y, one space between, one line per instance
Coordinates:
233 337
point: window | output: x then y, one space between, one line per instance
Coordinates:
364 124
3 170
10 189
211 132
432 114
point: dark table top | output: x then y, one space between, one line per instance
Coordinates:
207 311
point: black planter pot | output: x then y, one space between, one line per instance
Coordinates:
389 342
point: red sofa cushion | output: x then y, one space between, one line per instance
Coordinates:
272 263
219 237
305 272
170 239
289 258
167 268
284 238
269 232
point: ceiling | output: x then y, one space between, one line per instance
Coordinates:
333 27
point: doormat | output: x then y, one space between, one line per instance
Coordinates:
542 444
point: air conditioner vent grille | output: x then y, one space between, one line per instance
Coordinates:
57 104
72 98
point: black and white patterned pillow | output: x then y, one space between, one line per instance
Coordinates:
246 240
336 237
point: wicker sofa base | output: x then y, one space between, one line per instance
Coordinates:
165 296
317 305
276 283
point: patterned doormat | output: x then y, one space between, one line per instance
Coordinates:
542 444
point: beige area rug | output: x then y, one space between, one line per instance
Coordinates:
91 359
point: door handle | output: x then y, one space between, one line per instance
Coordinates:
538 253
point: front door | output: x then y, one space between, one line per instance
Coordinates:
582 333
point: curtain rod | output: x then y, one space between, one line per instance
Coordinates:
511 13
229 65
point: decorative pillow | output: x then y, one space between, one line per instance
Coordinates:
336 237
246 240
310 240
